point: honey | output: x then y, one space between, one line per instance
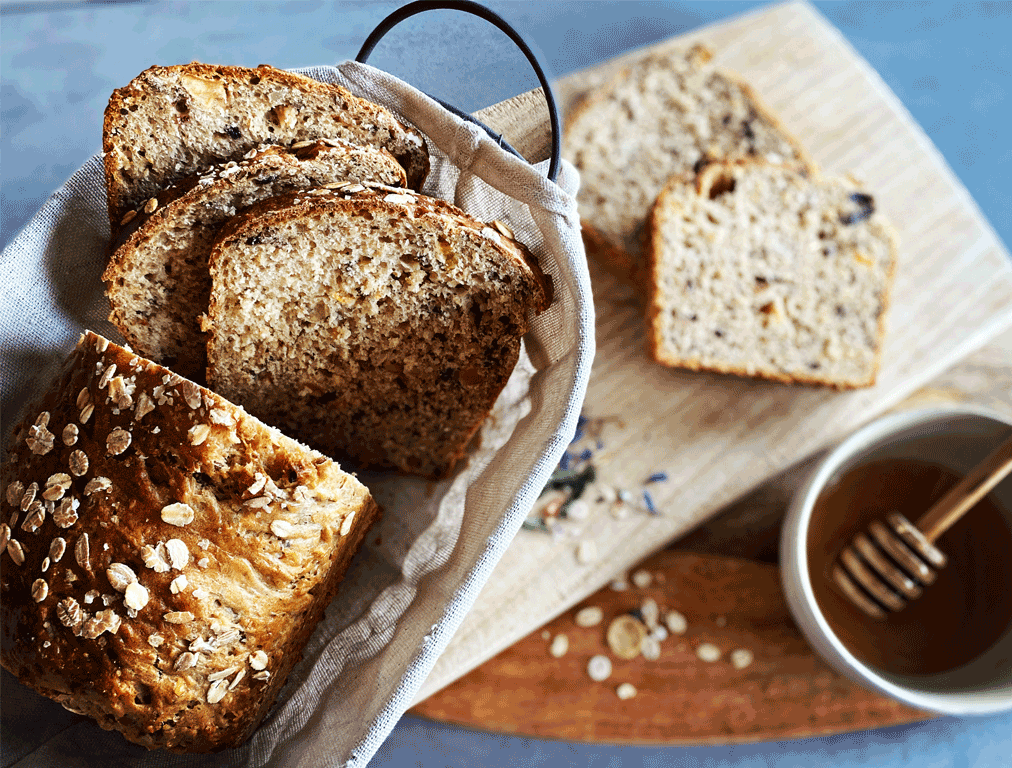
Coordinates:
961 615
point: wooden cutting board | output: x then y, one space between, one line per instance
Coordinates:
715 437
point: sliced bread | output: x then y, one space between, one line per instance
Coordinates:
758 270
659 118
157 281
171 122
376 324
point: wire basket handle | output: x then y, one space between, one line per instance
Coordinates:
476 9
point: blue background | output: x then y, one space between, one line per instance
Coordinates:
949 63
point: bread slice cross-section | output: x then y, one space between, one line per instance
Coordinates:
760 270
376 324
157 280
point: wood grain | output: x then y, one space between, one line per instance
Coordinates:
785 692
719 438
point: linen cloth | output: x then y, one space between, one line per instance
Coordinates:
423 567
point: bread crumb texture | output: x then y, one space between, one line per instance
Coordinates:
157 280
658 118
373 323
165 555
169 122
761 271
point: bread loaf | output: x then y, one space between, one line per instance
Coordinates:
165 555
157 280
376 324
760 270
655 119
171 122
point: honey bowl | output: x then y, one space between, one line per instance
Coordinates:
950 651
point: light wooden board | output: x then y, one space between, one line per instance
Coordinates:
718 437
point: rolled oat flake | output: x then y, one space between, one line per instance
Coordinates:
599 668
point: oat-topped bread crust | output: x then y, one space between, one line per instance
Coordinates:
170 122
656 119
157 280
376 324
760 270
165 555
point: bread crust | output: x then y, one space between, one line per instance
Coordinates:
160 94
702 183
180 556
404 418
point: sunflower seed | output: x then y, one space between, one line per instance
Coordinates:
590 616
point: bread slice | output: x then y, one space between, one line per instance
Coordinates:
655 119
376 324
157 281
759 270
171 122
167 555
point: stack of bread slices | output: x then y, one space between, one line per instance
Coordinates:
270 239
751 262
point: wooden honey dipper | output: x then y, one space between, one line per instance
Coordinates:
893 564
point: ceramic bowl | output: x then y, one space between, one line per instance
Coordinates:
956 438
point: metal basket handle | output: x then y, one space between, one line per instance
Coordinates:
476 9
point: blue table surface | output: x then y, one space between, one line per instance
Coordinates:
949 63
